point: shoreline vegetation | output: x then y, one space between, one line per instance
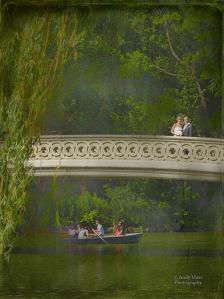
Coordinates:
144 204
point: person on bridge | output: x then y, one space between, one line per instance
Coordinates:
177 128
187 128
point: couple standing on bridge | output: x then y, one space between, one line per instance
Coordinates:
182 127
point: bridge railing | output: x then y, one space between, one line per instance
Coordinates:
130 147
129 156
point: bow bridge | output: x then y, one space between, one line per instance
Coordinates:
129 156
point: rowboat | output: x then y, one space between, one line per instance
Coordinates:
107 239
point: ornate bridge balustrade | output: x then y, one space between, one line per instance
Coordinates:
129 156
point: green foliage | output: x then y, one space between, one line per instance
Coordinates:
83 208
89 206
156 205
134 66
90 217
126 203
171 43
134 63
35 48
143 117
57 219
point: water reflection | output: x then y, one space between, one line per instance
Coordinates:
117 276
117 249
148 269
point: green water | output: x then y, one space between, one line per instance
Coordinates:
164 265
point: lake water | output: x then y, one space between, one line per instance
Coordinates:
160 266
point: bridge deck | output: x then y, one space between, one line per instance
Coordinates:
129 156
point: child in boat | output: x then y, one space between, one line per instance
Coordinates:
121 228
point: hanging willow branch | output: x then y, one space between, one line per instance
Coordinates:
33 58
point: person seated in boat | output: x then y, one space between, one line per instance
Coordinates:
99 228
83 232
121 228
72 231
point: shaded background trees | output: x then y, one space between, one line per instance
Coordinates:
156 205
137 69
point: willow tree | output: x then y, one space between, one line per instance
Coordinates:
35 48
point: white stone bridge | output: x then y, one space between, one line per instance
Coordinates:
129 156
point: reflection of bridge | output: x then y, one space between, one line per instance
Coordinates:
129 156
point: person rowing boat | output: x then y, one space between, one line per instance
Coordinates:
99 228
99 232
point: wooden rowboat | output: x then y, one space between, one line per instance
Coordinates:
110 239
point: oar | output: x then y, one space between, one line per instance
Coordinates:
100 237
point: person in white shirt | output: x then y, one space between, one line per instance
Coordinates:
83 233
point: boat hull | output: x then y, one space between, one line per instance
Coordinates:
108 239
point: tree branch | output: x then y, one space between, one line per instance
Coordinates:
199 88
192 69
171 47
164 71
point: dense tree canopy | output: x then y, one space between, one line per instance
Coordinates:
138 69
